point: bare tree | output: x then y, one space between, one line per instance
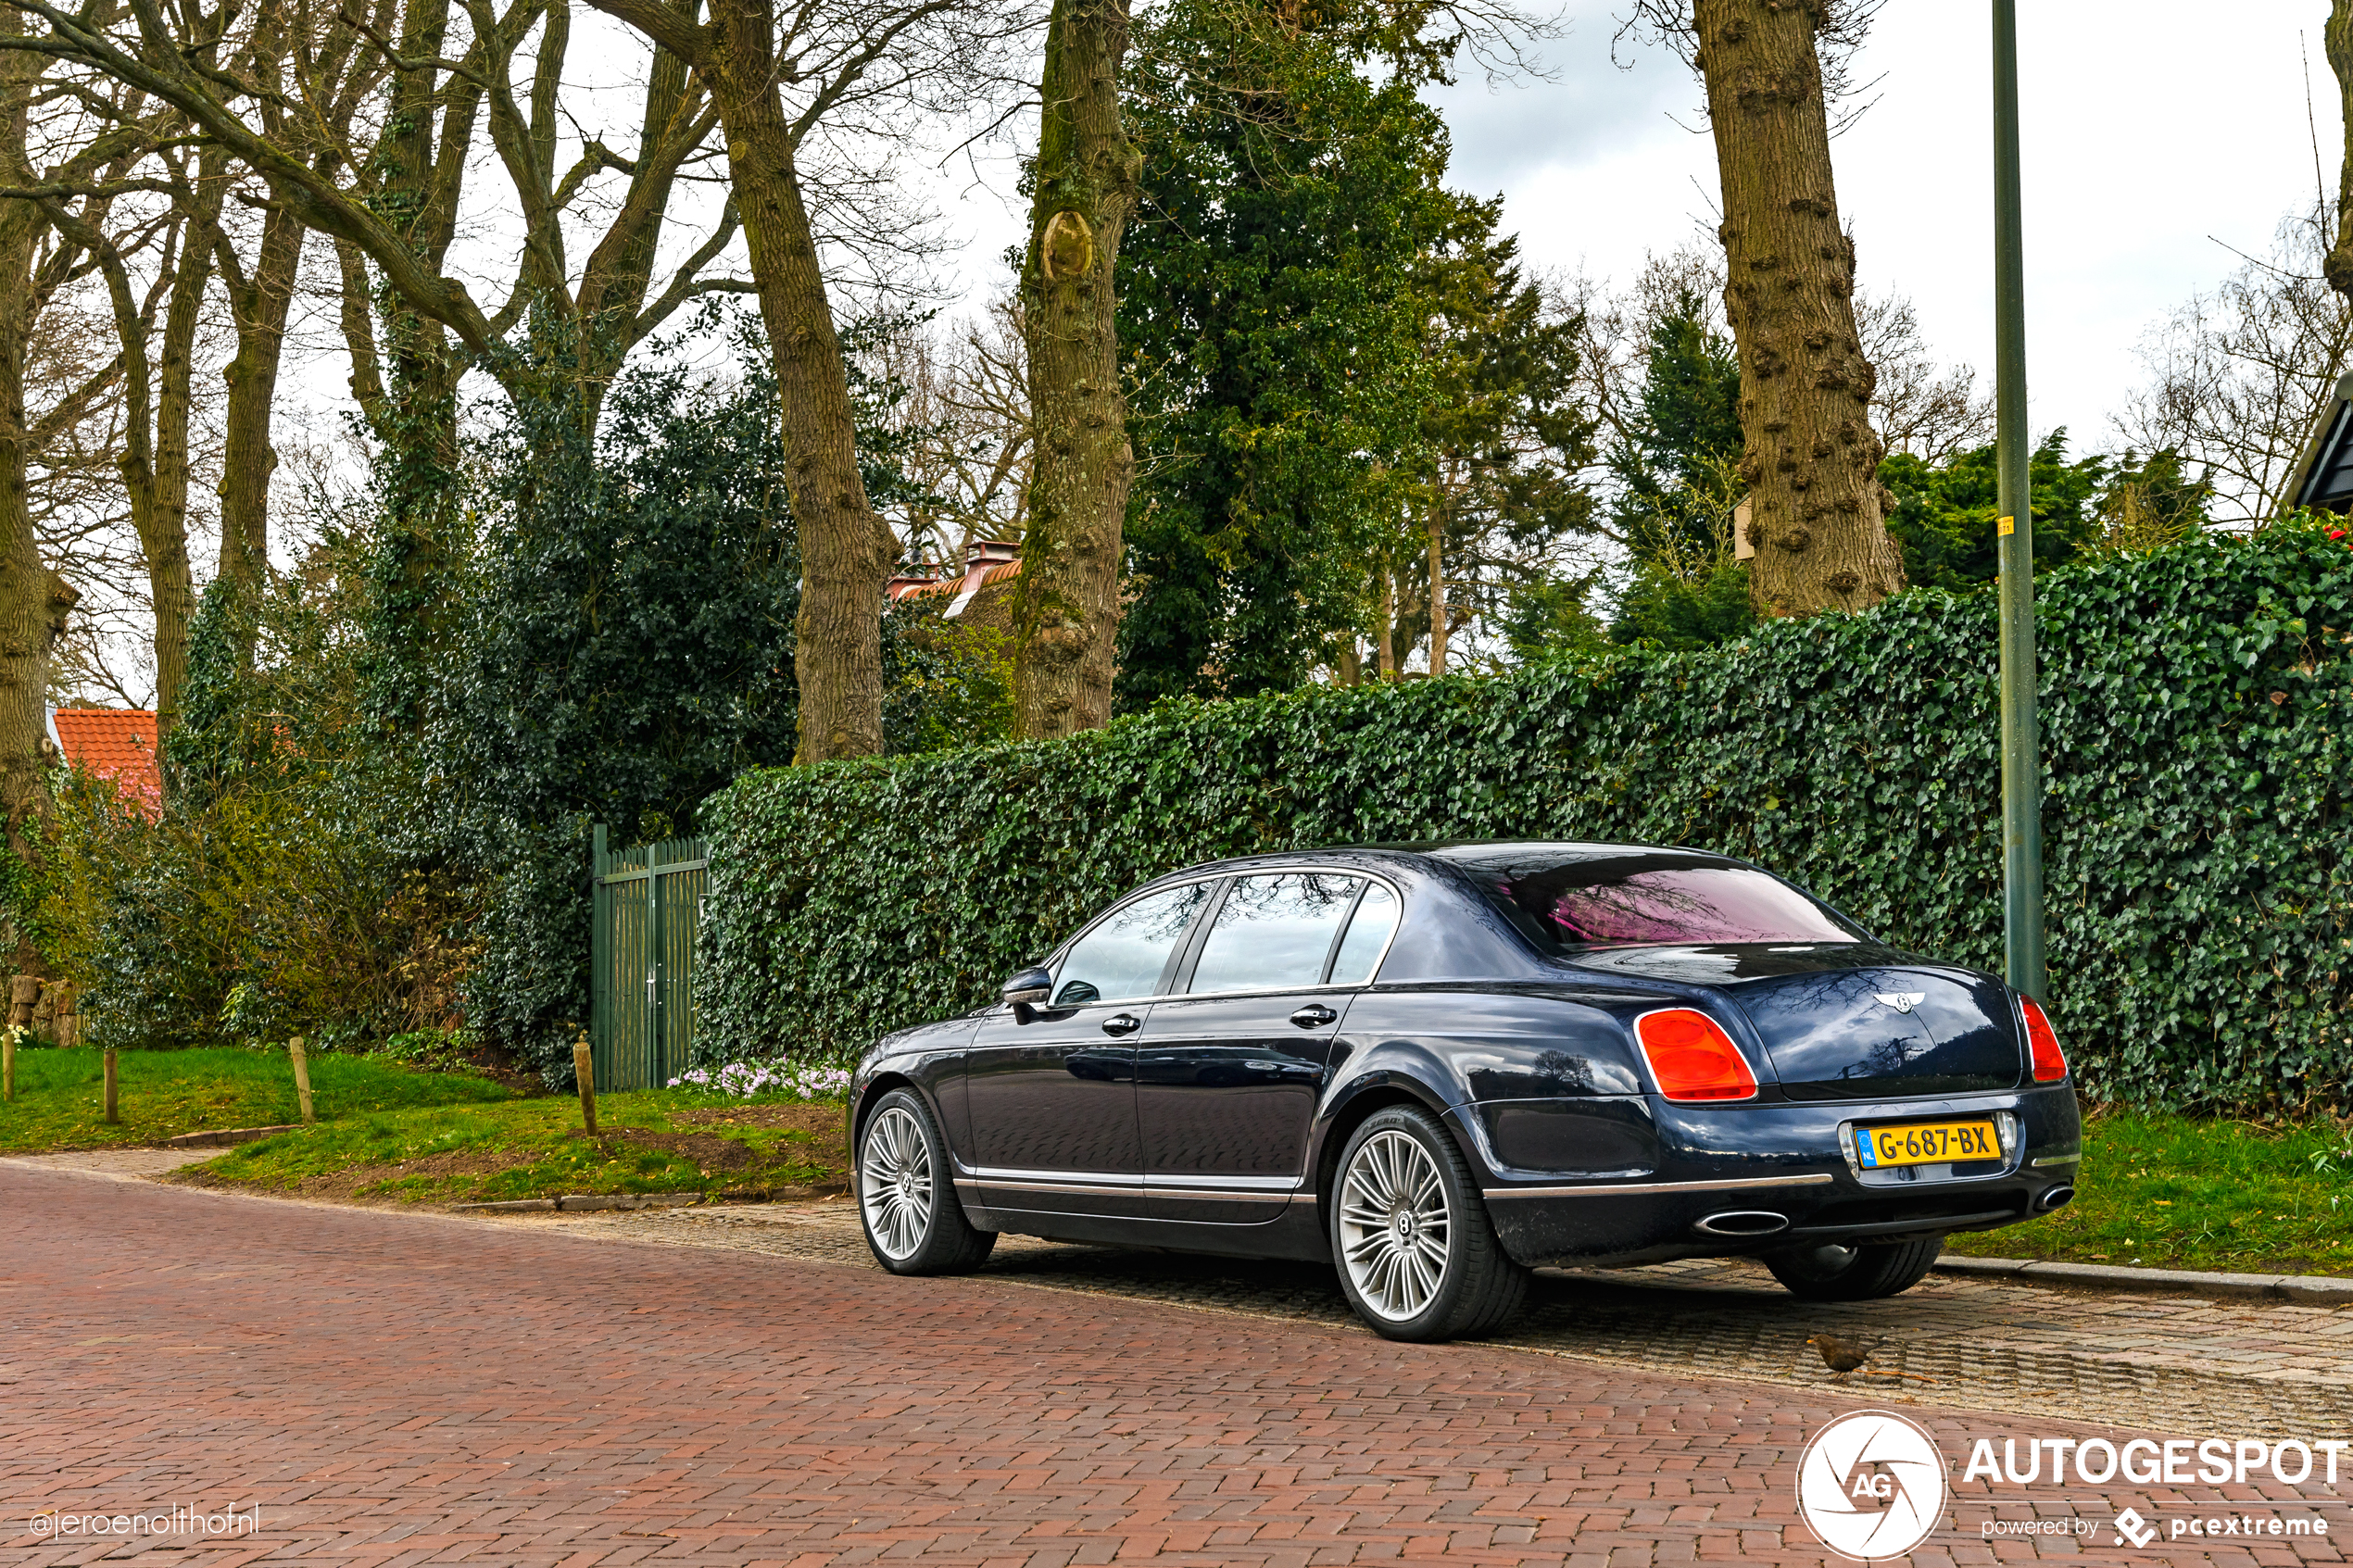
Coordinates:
963 417
50 148
1933 415
794 86
2238 377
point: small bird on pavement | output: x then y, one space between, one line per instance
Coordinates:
1838 1355
1843 1356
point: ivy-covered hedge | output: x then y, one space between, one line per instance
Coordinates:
2195 705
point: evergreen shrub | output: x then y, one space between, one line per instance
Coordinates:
2195 705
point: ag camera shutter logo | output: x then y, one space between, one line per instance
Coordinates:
1871 1485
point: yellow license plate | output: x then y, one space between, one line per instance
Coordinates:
1928 1143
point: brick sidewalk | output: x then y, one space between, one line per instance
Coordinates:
392 1388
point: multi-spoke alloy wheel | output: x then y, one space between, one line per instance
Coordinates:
1417 1255
1393 1225
898 1185
914 1222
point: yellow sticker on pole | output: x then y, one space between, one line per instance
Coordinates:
2007 527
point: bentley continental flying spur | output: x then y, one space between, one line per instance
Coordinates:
1436 1067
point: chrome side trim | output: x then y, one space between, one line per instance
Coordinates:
1821 1178
1214 1189
1000 1174
1197 1195
1277 1185
2076 1157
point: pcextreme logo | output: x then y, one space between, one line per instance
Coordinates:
1871 1485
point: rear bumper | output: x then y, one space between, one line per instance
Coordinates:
1736 1180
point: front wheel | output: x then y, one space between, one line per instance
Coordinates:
1855 1273
1418 1258
915 1225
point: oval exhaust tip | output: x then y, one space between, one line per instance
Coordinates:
1742 1223
2057 1198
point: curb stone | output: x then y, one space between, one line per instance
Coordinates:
578 1202
2311 1290
581 1203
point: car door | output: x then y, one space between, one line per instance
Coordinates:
1051 1096
1226 1086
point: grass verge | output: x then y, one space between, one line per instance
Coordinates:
60 1097
2170 1192
655 1141
2155 1191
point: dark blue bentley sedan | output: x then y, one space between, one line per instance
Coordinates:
1439 1066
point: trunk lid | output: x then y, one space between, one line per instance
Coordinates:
1844 1021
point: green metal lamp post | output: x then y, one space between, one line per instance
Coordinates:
2021 738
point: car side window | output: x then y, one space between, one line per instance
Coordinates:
1367 934
1273 932
1123 958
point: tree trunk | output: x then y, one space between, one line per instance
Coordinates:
1437 597
2337 38
163 534
846 551
247 458
1065 606
33 599
1810 457
1387 645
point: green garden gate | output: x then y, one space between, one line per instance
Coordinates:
649 905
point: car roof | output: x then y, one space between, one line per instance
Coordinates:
1463 853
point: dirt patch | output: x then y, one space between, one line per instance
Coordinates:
823 1120
708 1151
821 1142
349 1183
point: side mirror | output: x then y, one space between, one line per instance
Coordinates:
1029 987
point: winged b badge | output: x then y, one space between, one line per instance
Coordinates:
1902 1002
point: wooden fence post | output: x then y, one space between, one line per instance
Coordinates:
584 1068
8 1063
302 1077
112 1120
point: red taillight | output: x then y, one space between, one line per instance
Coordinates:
2041 1043
1691 1056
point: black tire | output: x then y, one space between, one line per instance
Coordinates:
1855 1273
1478 1289
907 1202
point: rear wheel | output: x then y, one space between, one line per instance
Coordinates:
1418 1256
1855 1273
915 1225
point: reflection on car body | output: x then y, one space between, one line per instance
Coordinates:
1439 1065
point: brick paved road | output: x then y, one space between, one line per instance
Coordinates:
2137 1361
391 1388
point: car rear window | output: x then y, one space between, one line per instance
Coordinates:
1590 902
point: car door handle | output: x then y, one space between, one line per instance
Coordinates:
1314 1015
1122 1023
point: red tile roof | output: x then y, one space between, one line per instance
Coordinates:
117 744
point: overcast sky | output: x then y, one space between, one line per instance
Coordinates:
2152 132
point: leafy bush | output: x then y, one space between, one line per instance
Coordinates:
266 902
2195 705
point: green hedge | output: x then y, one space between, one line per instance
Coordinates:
2195 705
